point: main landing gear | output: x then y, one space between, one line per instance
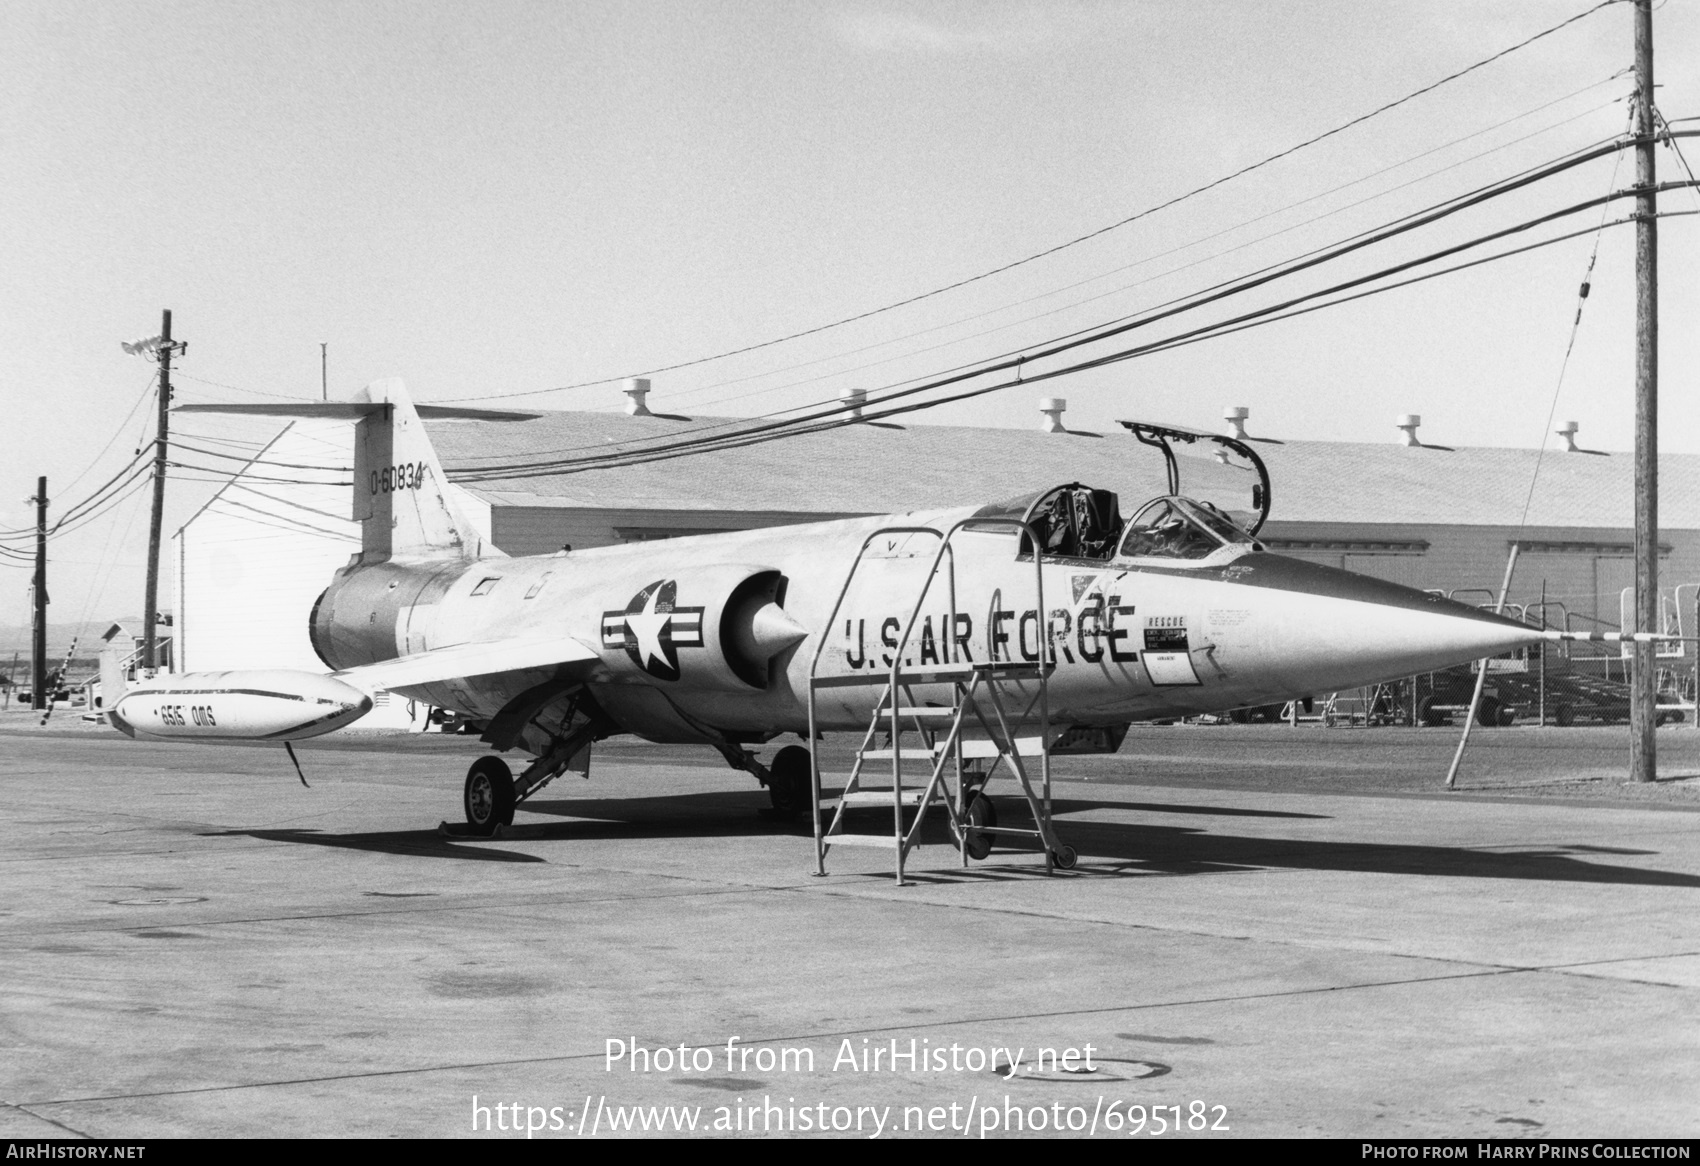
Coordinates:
489 795
787 779
492 791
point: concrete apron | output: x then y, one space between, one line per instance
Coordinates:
195 945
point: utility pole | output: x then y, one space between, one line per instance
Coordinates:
1643 715
38 598
150 612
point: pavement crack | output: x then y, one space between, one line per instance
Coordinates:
23 1108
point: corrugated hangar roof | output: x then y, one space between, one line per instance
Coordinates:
1324 481
879 468
870 468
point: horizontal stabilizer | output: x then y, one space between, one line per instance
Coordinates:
459 661
354 410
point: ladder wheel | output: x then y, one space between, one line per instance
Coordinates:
981 813
1065 858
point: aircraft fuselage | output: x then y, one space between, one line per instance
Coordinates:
687 637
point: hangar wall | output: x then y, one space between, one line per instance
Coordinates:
1584 569
252 561
542 530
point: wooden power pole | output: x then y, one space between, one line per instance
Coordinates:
38 602
1643 715
150 606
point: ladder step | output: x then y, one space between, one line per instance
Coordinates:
1024 746
879 797
910 754
921 711
879 841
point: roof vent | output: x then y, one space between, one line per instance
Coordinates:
1568 432
1408 422
1052 408
854 399
636 389
1235 416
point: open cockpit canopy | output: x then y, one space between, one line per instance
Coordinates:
1076 521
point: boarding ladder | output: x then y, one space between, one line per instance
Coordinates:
961 745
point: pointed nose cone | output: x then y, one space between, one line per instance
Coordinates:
773 630
1332 629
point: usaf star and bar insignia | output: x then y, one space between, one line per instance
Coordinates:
653 628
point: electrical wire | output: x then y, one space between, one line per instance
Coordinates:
1222 290
1570 346
684 399
1007 359
104 490
1099 296
1670 139
239 389
1239 323
147 390
1146 213
258 460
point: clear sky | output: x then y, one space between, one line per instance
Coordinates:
508 197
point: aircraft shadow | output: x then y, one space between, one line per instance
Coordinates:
1076 805
1106 849
421 843
1185 850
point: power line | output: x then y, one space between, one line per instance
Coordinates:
1236 286
825 421
1101 231
684 399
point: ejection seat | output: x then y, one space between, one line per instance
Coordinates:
1074 522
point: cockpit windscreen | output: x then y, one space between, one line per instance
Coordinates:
1180 528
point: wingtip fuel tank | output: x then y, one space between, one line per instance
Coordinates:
254 705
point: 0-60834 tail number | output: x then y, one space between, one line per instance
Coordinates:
406 476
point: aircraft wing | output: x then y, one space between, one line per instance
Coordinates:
462 660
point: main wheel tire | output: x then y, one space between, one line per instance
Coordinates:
1428 715
1564 716
1487 713
981 812
1507 717
788 780
489 795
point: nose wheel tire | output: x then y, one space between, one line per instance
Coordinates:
1065 858
489 795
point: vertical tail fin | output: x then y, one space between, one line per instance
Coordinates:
401 499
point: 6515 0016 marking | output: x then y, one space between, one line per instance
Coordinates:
172 714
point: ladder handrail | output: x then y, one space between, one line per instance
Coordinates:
1040 632
820 647
1046 661
944 562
